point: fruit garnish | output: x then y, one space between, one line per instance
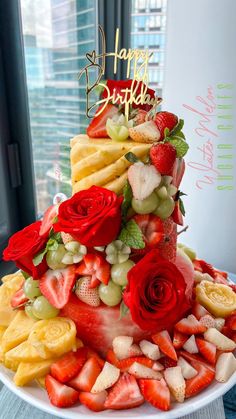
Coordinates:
175 382
221 341
31 288
207 321
48 219
85 293
190 345
147 205
119 272
141 371
204 267
198 310
117 252
177 215
218 299
68 366
165 208
231 321
139 116
187 370
125 394
110 294
125 364
57 285
156 392
190 326
147 132
95 266
42 309
225 367
152 229
107 377
59 394
19 299
202 380
94 402
143 179
150 350
165 120
121 346
163 157
86 378
75 252
118 127
97 127
207 350
163 340
179 339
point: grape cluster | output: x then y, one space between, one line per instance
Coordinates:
38 306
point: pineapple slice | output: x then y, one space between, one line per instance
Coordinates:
17 332
53 337
28 371
41 382
2 331
11 284
25 352
218 299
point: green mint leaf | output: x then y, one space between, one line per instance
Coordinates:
56 236
39 257
180 145
132 236
123 310
166 132
131 157
181 206
181 134
128 195
52 245
178 127
25 275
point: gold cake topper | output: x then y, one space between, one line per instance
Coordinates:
136 94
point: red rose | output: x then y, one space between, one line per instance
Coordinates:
119 85
155 293
92 216
23 246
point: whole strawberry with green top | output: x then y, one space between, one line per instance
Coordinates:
165 120
163 157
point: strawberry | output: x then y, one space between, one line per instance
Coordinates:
198 310
106 379
196 358
150 350
225 367
87 294
207 321
59 394
176 383
69 365
95 266
125 394
177 214
94 402
141 371
167 362
156 392
147 132
66 237
57 285
207 349
98 326
140 117
125 364
91 353
152 229
163 157
97 127
179 339
190 345
167 245
86 378
19 299
187 370
165 120
222 342
121 346
48 219
202 380
204 267
163 340
231 321
178 172
190 326
143 179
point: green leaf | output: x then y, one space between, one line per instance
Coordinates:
131 157
128 195
166 132
178 127
180 145
181 206
56 236
39 257
25 275
123 310
52 245
132 236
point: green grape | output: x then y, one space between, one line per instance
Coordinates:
110 294
146 205
165 209
29 312
31 288
171 189
116 132
190 252
54 257
119 272
162 192
42 309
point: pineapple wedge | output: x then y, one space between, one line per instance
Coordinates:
17 332
28 371
2 331
41 382
25 352
11 284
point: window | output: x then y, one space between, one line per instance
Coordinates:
57 34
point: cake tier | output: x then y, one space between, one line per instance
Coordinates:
102 162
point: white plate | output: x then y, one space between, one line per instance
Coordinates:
37 397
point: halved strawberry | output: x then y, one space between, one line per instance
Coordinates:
167 362
231 322
91 353
94 402
198 310
86 378
190 326
179 339
19 299
95 266
178 172
156 392
59 394
177 214
163 340
48 219
202 380
125 364
204 267
97 127
152 229
69 365
125 394
57 285
196 358
207 349
165 120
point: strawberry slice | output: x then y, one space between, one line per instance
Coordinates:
97 127
94 402
190 326
179 339
156 392
163 340
19 299
69 365
125 394
59 394
204 267
48 219
196 358
95 266
207 349
57 285
199 311
125 364
202 380
152 229
231 322
178 172
87 376
177 214
167 362
98 326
